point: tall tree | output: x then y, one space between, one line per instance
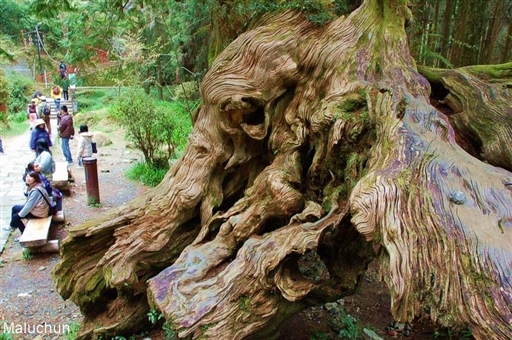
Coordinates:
316 149
506 55
499 11
447 27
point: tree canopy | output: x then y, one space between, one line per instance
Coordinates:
162 42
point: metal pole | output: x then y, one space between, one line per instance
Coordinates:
39 49
91 180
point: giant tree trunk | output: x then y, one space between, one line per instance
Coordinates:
315 150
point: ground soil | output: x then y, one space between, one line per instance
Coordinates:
28 292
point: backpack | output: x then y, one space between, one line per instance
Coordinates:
46 110
52 205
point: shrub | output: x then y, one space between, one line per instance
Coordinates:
19 92
4 95
157 129
187 91
19 117
146 174
6 336
178 113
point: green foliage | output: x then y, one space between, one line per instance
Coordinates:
158 129
317 335
186 91
170 334
96 99
447 333
27 255
16 127
245 303
120 337
6 336
154 316
177 111
10 9
4 95
20 88
319 12
18 118
345 324
73 331
145 125
350 328
4 89
146 174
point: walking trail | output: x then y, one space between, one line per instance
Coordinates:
13 161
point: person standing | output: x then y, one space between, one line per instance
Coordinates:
66 132
45 112
32 113
84 144
62 70
56 92
65 88
1 146
36 96
39 132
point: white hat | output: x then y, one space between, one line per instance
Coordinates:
43 98
39 122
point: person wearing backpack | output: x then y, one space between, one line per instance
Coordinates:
37 204
56 92
54 193
45 111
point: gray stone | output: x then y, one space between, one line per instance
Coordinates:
372 334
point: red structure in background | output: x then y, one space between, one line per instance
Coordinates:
101 56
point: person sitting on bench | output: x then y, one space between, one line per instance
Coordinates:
52 192
36 205
45 158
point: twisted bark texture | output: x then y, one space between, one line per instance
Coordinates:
315 150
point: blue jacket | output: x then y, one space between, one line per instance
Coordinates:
39 133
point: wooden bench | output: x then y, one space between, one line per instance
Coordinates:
36 230
61 177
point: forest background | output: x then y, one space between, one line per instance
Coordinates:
156 44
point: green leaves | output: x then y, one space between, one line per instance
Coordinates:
158 129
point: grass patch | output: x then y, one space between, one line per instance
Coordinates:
146 174
6 336
15 129
27 254
73 331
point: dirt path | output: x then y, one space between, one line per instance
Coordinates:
28 299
